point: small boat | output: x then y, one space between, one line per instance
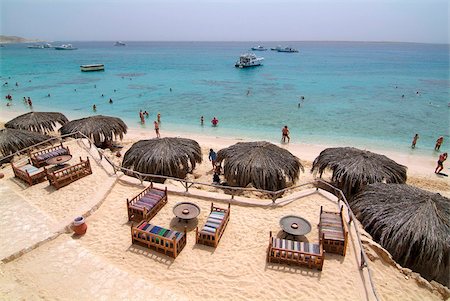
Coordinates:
248 60
259 48
93 67
65 47
287 49
36 46
47 45
276 48
119 43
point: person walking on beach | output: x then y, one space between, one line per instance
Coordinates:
157 129
413 145
438 143
212 157
285 134
440 163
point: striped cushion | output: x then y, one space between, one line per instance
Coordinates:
159 231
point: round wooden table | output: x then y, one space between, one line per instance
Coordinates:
186 211
295 225
58 160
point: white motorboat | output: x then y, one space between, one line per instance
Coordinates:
47 45
93 67
65 47
259 48
36 46
119 43
248 60
287 49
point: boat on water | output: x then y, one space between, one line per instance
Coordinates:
92 67
39 46
287 49
65 47
36 46
276 48
248 60
119 43
259 48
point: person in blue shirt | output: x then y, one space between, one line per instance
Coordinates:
212 157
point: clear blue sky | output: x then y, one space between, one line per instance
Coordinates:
227 20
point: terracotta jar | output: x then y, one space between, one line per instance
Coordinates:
79 226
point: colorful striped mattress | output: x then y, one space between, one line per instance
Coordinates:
149 200
295 246
213 222
331 226
54 153
149 228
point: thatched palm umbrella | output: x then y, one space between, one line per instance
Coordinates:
353 168
262 164
99 128
43 122
411 223
13 140
172 157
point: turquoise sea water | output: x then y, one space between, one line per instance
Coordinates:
353 91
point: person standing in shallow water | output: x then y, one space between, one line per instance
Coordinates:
438 143
416 137
201 120
285 134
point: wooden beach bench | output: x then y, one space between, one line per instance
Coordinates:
295 252
146 204
69 174
38 158
214 227
333 231
29 173
166 241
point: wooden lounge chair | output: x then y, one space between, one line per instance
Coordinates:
333 231
295 252
29 173
214 227
39 157
162 240
146 204
67 175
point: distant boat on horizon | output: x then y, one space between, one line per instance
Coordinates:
259 48
119 43
287 49
66 47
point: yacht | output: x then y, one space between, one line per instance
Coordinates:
93 67
65 47
248 60
287 49
119 43
47 45
259 48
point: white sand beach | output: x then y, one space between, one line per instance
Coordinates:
43 259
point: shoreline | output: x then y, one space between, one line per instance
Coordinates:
419 164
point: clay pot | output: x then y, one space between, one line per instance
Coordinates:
1 175
79 226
